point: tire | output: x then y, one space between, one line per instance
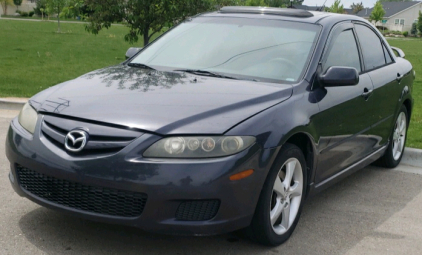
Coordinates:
266 228
393 154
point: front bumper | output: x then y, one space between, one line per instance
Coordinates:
166 182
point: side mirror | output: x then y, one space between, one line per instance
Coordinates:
398 52
340 76
132 52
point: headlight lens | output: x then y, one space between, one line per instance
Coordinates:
199 147
28 118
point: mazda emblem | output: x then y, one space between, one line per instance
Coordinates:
76 140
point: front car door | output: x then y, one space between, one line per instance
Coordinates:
344 119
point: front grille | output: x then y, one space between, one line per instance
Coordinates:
198 210
100 200
102 139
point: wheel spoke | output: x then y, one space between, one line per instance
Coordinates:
279 188
285 221
276 212
290 169
296 190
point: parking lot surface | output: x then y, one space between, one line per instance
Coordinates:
375 211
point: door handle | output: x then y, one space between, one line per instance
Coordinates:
399 77
367 93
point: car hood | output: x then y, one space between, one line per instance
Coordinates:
160 102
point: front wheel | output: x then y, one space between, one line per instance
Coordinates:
395 150
281 199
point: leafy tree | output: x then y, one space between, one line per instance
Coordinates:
336 7
357 7
56 6
4 4
377 13
143 17
40 4
17 3
419 24
414 29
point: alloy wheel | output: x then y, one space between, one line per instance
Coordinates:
399 136
286 197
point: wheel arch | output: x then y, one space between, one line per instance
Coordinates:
408 104
306 144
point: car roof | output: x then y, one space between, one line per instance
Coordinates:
287 14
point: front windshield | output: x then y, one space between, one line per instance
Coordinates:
270 50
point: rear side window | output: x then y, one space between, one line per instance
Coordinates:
372 48
343 52
388 58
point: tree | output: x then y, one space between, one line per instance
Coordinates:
357 7
17 3
337 7
4 4
143 17
377 13
414 30
419 24
56 6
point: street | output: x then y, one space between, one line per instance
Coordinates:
375 211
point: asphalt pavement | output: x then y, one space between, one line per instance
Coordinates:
375 211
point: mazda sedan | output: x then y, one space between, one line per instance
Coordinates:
228 121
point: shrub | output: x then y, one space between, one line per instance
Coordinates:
405 33
31 13
18 11
24 14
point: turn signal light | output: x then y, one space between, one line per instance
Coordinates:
241 175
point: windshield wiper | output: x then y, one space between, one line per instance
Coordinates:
206 73
139 65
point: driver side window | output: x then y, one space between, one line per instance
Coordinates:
343 52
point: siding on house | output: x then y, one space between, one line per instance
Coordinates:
26 6
407 17
399 15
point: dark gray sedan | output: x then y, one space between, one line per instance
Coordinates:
229 120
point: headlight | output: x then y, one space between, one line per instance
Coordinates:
199 147
28 118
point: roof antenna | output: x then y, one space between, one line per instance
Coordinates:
322 7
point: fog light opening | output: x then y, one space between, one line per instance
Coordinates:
241 175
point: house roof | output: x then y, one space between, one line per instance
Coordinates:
391 8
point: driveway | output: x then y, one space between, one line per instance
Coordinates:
375 211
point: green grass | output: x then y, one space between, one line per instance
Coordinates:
34 57
413 50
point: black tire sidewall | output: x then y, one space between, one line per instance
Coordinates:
261 224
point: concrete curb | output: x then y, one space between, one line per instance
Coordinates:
12 103
412 157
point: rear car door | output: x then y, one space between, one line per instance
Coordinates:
386 76
344 118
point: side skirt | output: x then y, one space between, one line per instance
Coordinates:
316 188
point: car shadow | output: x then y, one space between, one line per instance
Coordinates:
332 222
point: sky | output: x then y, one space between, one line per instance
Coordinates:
346 3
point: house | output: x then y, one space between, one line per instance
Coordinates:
399 16
26 6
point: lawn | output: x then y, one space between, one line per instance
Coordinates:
34 57
413 50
